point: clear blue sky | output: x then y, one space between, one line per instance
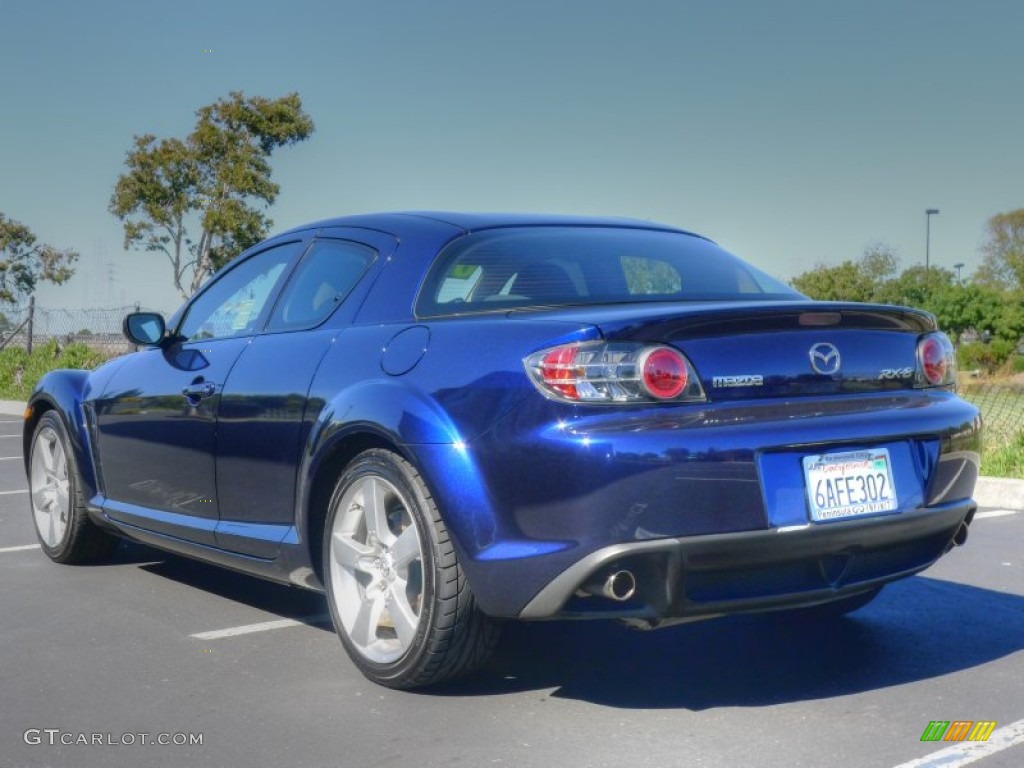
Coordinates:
793 133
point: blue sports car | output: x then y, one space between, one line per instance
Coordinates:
443 420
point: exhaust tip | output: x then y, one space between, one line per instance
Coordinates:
617 585
961 535
620 586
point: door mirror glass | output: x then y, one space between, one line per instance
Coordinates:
146 328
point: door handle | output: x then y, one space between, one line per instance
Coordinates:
199 390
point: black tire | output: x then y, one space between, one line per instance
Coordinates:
421 579
837 608
65 532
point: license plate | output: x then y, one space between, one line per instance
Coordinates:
841 485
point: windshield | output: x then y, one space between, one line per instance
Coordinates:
557 266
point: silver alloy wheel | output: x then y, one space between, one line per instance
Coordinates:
376 562
49 487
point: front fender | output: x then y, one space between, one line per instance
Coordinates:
63 391
67 391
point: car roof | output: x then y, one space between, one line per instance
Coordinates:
407 222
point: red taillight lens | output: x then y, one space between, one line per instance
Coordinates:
933 361
614 372
559 373
664 373
936 361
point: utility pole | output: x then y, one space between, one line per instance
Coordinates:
928 235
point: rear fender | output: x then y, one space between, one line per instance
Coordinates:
385 412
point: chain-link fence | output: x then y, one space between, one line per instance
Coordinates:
1002 407
98 328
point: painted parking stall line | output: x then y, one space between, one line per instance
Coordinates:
263 626
964 754
995 513
22 548
8 493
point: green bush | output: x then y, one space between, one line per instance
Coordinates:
19 371
1014 365
988 357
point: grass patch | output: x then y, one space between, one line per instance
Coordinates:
1002 412
20 371
1005 460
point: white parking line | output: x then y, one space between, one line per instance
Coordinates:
965 754
995 513
9 458
263 626
8 493
22 548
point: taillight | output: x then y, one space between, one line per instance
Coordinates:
599 372
936 361
663 373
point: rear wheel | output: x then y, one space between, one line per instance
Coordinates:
397 593
65 532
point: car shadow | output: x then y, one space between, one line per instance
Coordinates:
916 629
287 602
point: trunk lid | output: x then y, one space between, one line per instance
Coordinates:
776 349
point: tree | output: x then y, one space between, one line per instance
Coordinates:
1003 262
216 180
850 281
24 261
917 286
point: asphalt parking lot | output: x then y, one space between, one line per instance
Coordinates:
154 647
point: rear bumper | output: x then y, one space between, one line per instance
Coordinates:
703 576
552 490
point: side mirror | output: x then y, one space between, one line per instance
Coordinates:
145 328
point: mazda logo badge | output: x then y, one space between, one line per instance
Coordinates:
825 359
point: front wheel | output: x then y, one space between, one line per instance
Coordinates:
397 593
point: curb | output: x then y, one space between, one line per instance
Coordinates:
12 408
999 492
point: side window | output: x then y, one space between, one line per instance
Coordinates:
326 275
232 304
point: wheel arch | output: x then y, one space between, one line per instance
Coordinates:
62 391
391 414
331 461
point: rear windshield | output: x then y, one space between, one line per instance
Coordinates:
559 266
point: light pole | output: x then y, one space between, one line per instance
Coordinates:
928 235
958 267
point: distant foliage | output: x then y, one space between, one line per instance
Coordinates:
215 181
24 261
978 356
645 276
980 306
20 371
860 280
1003 264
